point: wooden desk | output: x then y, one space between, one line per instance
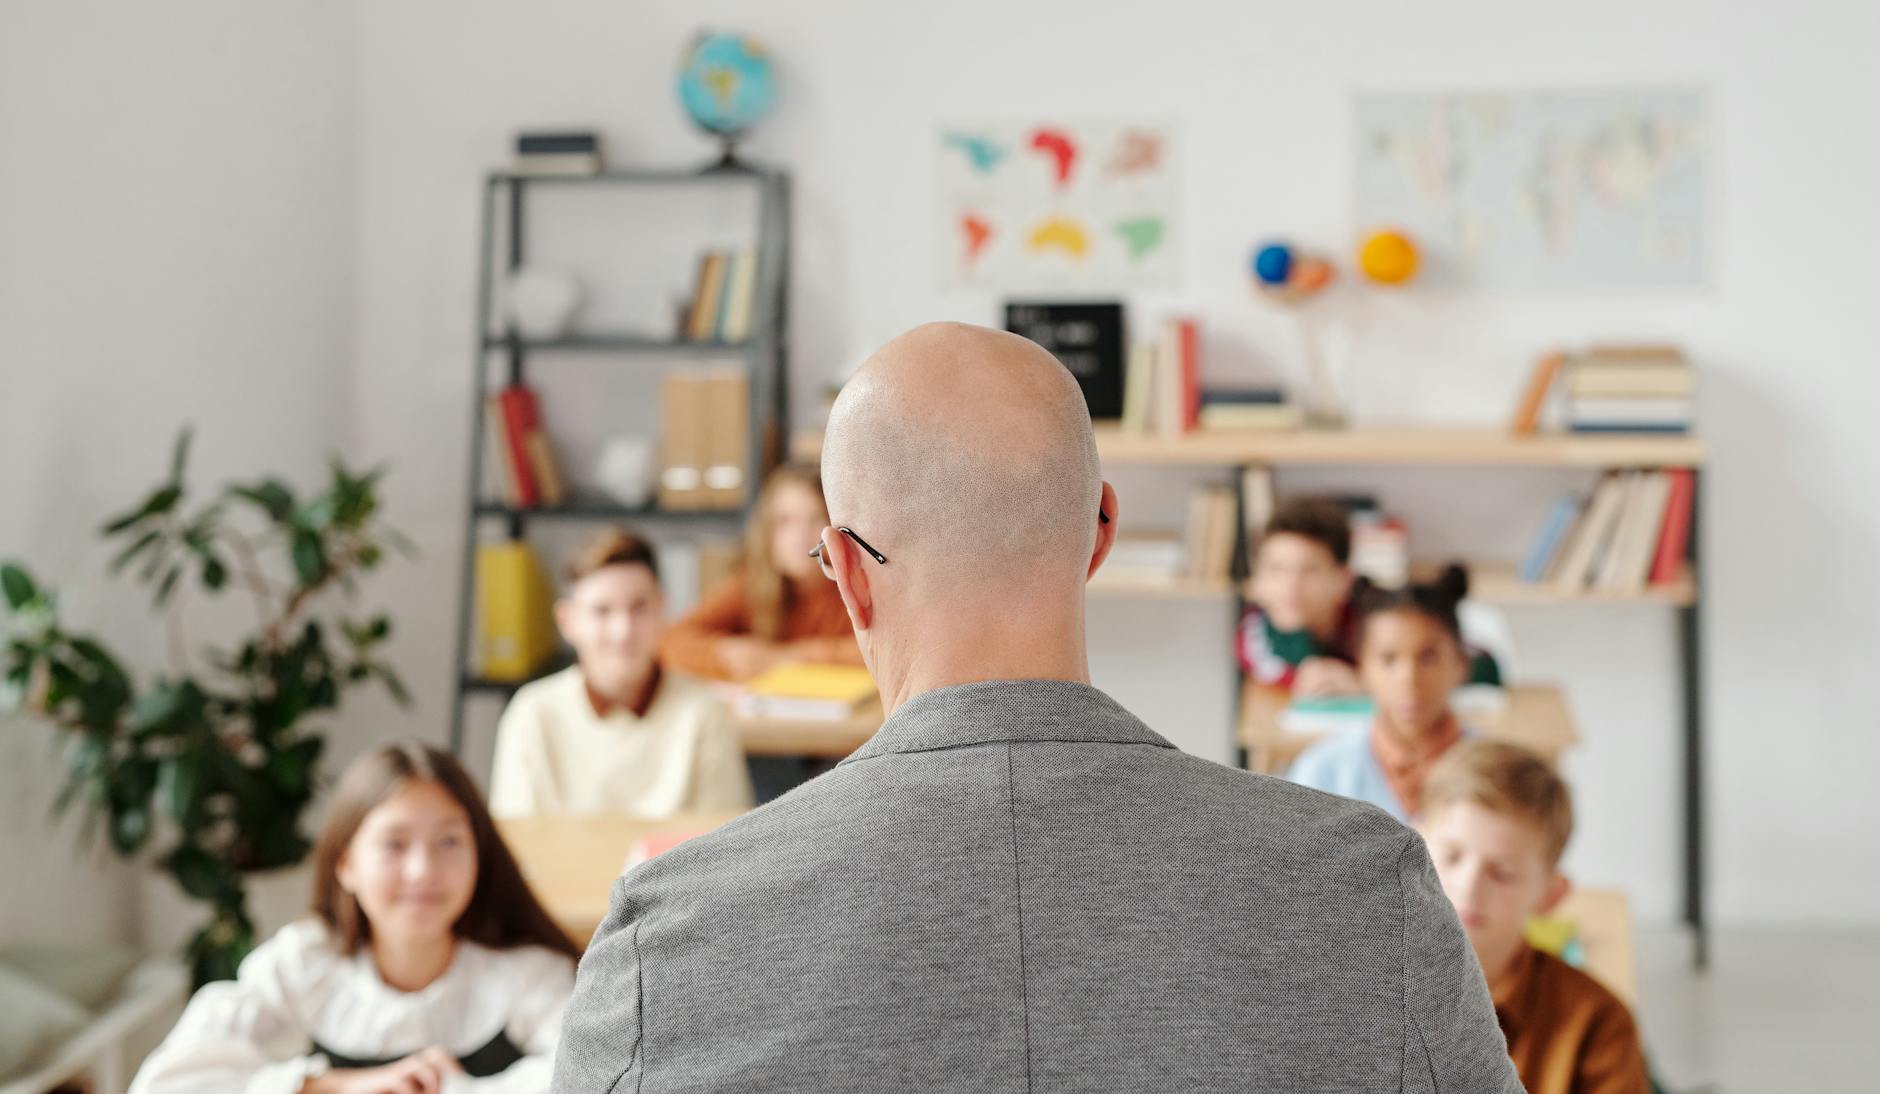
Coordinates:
822 740
571 862
1535 715
1603 921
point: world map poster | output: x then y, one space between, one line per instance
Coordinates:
1539 189
1057 205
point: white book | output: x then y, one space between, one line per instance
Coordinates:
1611 568
1139 388
1636 550
1589 537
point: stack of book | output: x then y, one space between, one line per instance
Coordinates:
1633 531
724 295
1248 410
1211 519
808 692
1204 551
560 153
1630 389
704 438
1162 383
519 457
1144 560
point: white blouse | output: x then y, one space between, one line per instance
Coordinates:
257 1033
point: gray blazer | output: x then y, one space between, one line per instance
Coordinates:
1018 886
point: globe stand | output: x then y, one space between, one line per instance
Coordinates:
728 160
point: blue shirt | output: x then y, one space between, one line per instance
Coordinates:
1344 764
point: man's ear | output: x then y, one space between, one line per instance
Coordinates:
1108 520
845 558
1557 890
564 613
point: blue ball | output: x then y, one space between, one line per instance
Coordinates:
1273 263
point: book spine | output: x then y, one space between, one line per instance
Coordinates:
515 435
1675 537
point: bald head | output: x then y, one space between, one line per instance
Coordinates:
968 452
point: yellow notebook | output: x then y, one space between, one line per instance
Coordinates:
831 692
518 622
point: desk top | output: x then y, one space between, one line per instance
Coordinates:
1603 921
1535 716
571 862
821 739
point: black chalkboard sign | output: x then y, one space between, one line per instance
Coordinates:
1087 338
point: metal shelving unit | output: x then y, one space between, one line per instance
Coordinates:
507 199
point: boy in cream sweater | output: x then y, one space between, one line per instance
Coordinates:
615 733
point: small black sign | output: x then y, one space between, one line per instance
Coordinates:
1088 339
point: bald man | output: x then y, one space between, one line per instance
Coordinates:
1016 885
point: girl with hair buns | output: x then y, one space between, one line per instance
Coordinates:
1410 656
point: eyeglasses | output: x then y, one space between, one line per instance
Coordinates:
821 553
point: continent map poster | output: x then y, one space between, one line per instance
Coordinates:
1057 205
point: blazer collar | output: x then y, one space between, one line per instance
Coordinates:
992 711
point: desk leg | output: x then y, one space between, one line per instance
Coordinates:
1690 654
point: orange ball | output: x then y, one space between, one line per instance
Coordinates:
1388 258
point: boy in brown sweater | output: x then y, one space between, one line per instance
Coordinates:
1496 819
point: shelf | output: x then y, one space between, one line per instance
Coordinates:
1496 583
1386 447
1160 588
665 176
603 510
1375 448
494 687
621 343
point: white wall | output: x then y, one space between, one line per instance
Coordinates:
175 246
1261 91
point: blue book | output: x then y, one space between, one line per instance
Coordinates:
1547 544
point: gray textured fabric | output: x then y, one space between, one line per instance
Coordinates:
1017 886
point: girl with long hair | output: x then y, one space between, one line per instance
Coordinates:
427 965
777 607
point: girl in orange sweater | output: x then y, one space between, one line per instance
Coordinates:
777 607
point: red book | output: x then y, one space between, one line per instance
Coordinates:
518 419
1676 535
1191 374
655 844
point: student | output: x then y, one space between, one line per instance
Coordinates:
1496 819
1410 657
427 964
777 607
614 733
1297 633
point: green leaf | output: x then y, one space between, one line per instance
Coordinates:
179 784
272 496
201 874
16 586
214 574
393 684
169 705
160 502
317 515
179 455
130 827
309 558
125 556
168 585
292 768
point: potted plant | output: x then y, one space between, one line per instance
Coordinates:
222 744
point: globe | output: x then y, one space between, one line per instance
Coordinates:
725 84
